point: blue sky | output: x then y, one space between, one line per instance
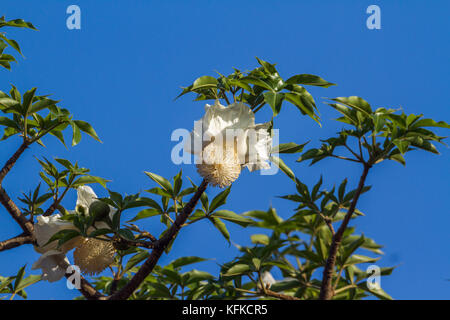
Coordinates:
122 70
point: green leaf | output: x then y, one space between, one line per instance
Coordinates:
356 259
28 281
396 156
219 200
177 182
134 260
163 182
258 82
183 261
280 164
87 128
205 82
341 190
290 147
126 234
285 285
401 145
303 104
17 23
237 269
195 276
4 121
41 104
19 278
221 227
146 213
355 102
274 100
99 232
27 100
429 123
88 179
11 42
233 217
352 247
76 137
309 79
260 239
268 67
63 236
379 293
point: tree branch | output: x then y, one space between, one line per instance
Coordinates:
88 291
159 247
326 290
16 241
55 203
10 163
5 200
278 295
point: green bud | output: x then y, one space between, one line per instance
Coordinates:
99 210
80 210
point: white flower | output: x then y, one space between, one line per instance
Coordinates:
46 227
268 279
227 139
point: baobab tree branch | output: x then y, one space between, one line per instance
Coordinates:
10 163
5 200
16 241
159 247
326 290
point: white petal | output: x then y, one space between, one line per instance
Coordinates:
49 263
85 196
258 148
218 118
216 121
268 279
45 228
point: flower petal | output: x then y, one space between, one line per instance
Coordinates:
45 228
49 263
268 279
219 118
259 145
85 196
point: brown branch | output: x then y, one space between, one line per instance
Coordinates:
326 290
5 200
159 247
10 163
55 204
16 241
281 296
88 291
